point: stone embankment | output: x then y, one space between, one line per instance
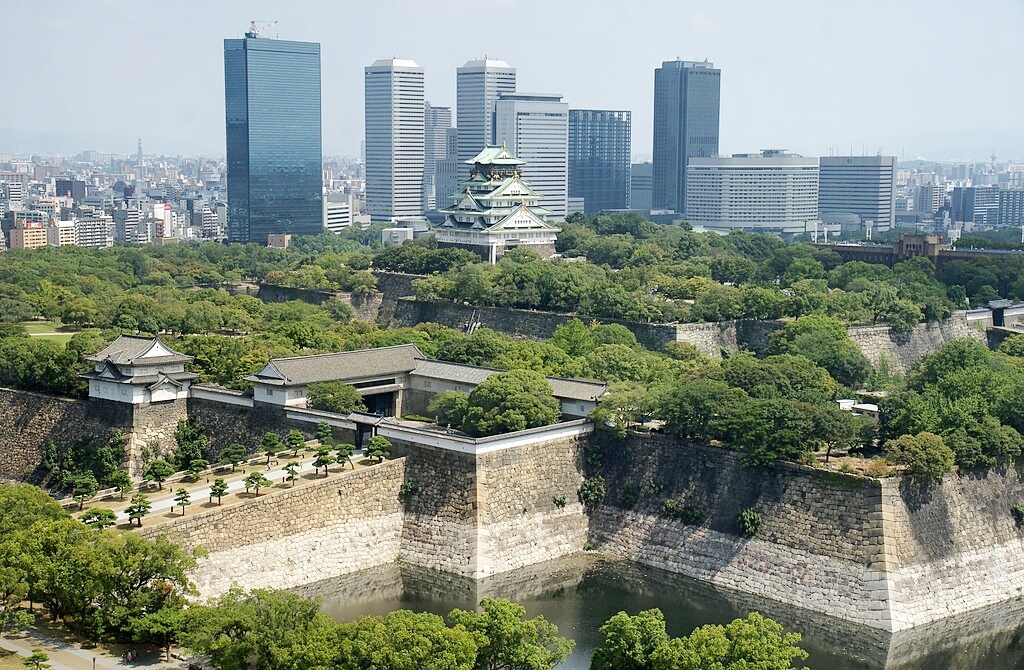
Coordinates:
293 537
882 553
879 344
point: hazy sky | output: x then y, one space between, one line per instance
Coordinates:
936 79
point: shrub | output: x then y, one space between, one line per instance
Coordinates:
592 491
417 417
629 494
1018 513
749 521
926 456
559 501
688 513
407 489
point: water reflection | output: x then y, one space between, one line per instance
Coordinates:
580 593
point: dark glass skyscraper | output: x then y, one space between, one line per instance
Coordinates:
686 106
274 155
599 152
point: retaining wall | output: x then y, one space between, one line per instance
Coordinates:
882 553
292 537
900 352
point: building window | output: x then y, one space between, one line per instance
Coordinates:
270 392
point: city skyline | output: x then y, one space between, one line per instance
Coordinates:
788 83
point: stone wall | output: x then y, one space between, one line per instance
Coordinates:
525 323
152 429
881 553
29 421
364 307
817 547
235 424
482 515
900 352
293 537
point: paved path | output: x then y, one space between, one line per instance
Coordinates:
68 656
275 475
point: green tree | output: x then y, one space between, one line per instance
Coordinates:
630 642
823 340
121 481
324 433
507 640
139 507
448 408
510 401
292 468
263 630
37 660
324 458
378 447
192 443
233 454
296 441
404 640
196 467
163 626
99 518
271 444
158 471
85 487
218 489
344 453
926 456
337 397
256 481
182 497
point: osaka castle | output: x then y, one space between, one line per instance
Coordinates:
495 210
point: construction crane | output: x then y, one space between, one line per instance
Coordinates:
258 27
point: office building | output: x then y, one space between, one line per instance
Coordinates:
69 187
929 198
640 178
447 171
338 212
95 232
497 210
976 204
437 121
686 106
770 192
60 233
274 157
394 139
535 128
853 190
599 158
28 235
1011 207
478 84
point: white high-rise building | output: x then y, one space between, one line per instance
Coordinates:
478 84
394 139
437 121
535 128
856 189
770 192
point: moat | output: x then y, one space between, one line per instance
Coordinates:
580 593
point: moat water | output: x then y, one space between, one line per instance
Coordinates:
578 594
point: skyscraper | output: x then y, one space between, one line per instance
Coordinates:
447 171
686 106
437 121
274 157
599 154
394 139
478 84
535 127
853 190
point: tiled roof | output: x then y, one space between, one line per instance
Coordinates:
341 366
570 389
128 349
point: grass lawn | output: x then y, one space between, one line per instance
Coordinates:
49 330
